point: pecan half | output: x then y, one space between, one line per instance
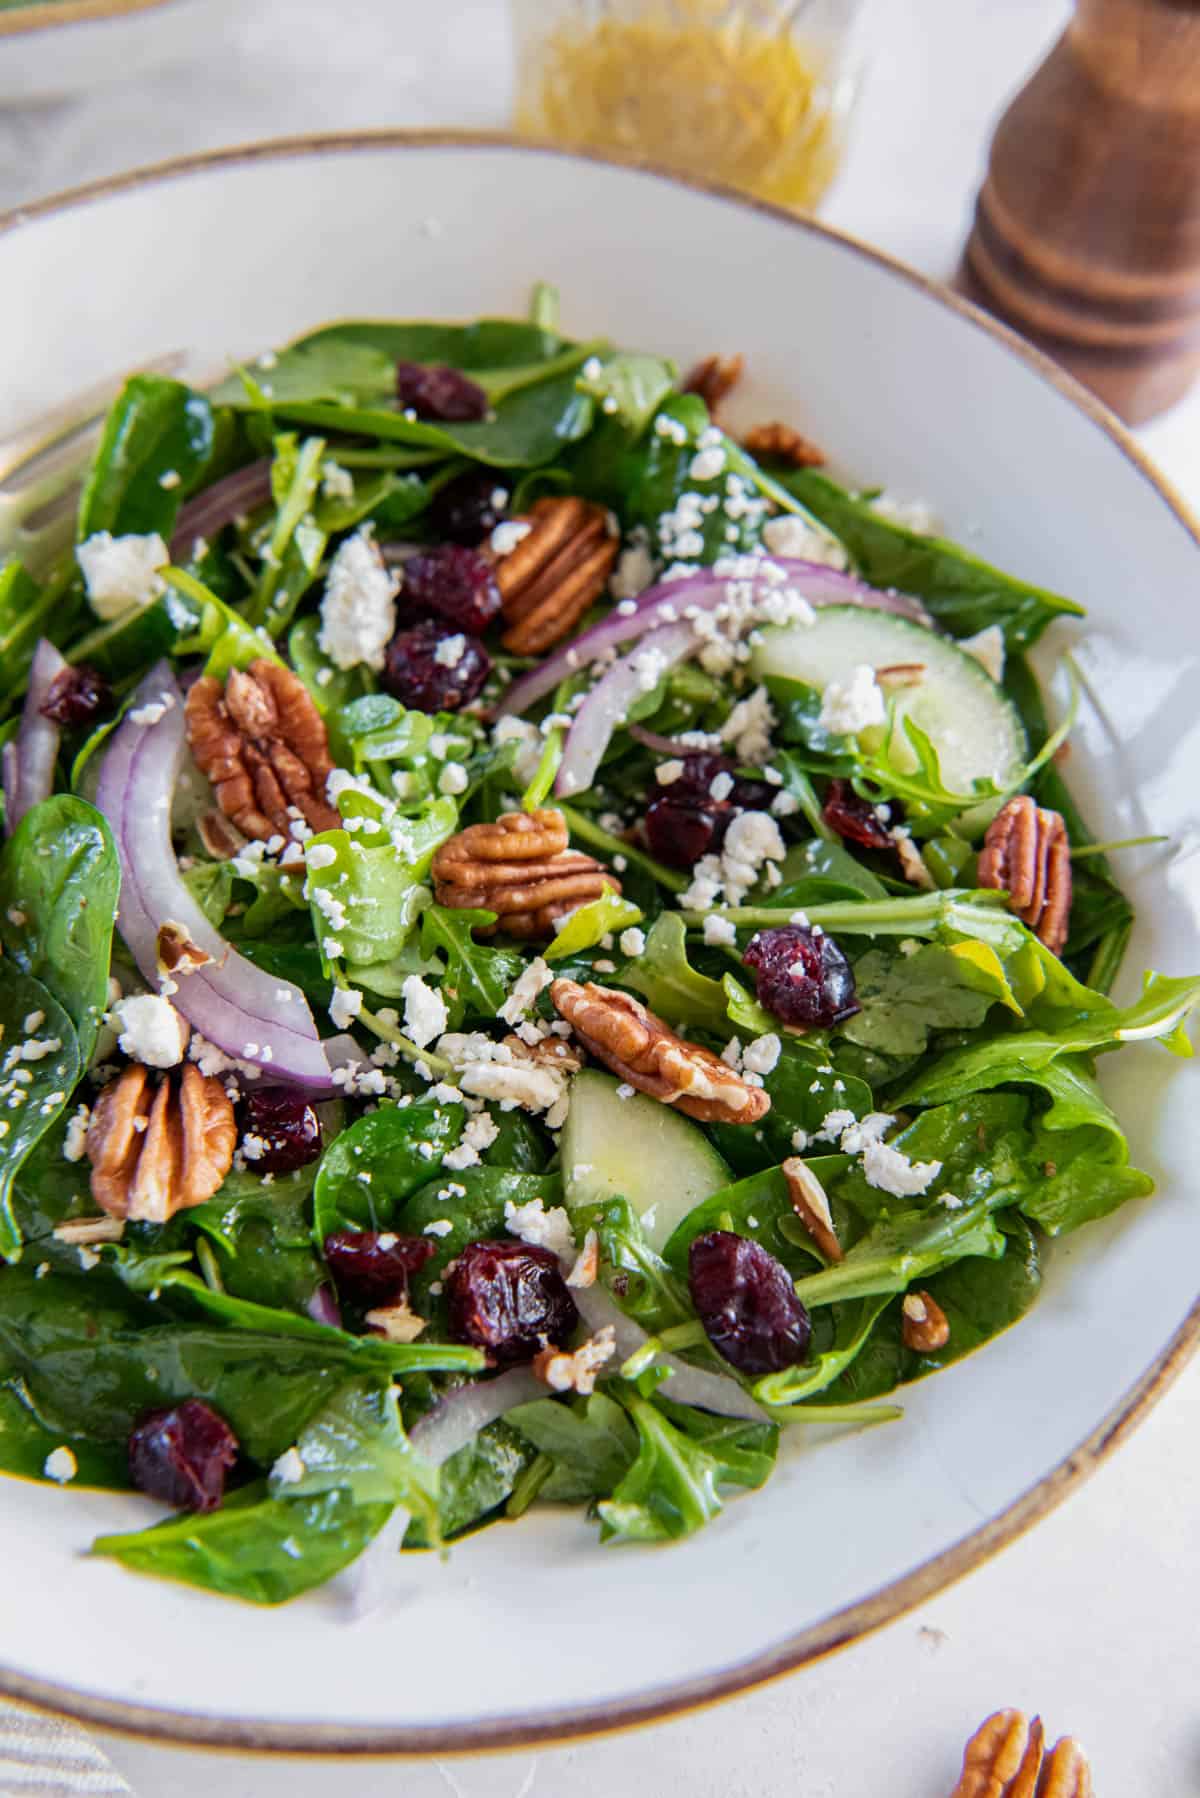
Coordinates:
619 1031
923 1324
263 744
1027 854
714 379
811 1206
1006 1758
557 570
520 868
786 445
155 1152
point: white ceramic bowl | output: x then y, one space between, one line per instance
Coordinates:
534 1631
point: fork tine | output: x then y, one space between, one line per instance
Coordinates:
63 422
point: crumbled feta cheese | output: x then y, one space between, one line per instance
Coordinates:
358 611
453 779
833 1124
762 1055
531 1088
289 1469
577 1372
794 537
873 1128
632 941
440 1226
625 1091
987 646
707 464
345 1006
752 842
336 482
450 651
424 1011
480 1133
508 534
749 725
529 755
891 1171
150 1030
75 1140
61 1465
321 855
586 1266
121 573
721 786
667 773
910 515
853 705
633 573
169 479
544 1229
524 993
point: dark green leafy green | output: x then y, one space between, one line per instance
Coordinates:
591 1441
472 1202
477 978
367 1172
473 1483
40 1069
684 1458
156 428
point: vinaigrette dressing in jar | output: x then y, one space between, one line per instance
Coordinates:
752 93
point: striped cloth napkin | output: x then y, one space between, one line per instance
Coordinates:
41 1757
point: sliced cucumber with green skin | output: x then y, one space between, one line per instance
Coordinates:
971 722
639 1149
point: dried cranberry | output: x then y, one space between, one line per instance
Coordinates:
454 584
857 819
418 678
747 1303
509 1298
685 820
372 1265
802 976
433 390
280 1130
182 1456
468 509
76 695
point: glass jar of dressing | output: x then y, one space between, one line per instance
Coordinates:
752 93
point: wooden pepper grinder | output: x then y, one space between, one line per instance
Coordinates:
1087 228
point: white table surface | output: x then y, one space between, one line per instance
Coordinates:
1092 1619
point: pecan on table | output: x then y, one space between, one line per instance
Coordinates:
923 1324
155 1152
262 742
520 868
646 1053
555 572
785 444
1006 1758
714 380
1027 854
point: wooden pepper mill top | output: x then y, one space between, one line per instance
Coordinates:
1087 228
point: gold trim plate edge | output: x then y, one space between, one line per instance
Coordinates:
40 16
854 1621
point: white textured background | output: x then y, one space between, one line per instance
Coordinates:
1092 1619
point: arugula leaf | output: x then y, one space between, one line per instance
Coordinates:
368 899
41 1048
59 880
591 1441
155 428
477 978
367 1172
902 1248
982 1142
906 997
963 593
683 1459
473 1482
667 981
853 1324
641 1280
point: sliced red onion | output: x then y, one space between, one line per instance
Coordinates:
686 1384
610 699
29 759
666 602
661 745
243 1010
323 1308
209 512
461 1414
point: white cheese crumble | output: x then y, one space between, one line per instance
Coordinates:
748 727
987 646
441 1226
321 855
891 1171
719 933
289 1469
577 1372
752 844
707 464
336 482
150 1030
633 573
453 779
121 573
632 941
358 611
508 534
667 773
424 1011
480 1133
873 1128
794 537
833 1124
525 991
529 755
910 515
75 1140
450 651
61 1465
762 1055
345 1006
544 1229
853 705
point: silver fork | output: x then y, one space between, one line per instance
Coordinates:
42 465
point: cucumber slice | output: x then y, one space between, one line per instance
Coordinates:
969 719
639 1149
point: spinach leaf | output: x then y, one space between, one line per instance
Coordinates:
356 1442
472 1203
667 981
815 871
27 608
1085 1175
963 593
902 1248
591 1441
473 1482
760 1207
25 1443
643 1283
41 1067
477 977
852 1327
487 343
262 1240
156 428
905 997
804 1088
59 880
982 1143
367 899
683 1459
327 366
367 1172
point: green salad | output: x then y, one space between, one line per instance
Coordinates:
545 946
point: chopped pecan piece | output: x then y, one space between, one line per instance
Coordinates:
781 441
619 1031
263 744
555 572
923 1324
155 1152
1006 1758
520 868
396 1323
811 1206
219 836
550 1052
714 380
1026 853
177 953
